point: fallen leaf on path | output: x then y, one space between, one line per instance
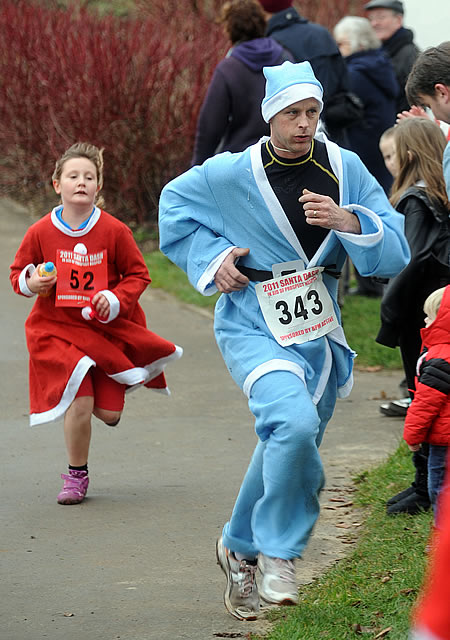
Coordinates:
383 633
370 368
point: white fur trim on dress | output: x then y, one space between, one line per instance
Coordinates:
75 233
135 378
82 367
114 305
26 272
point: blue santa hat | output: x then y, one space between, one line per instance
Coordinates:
289 83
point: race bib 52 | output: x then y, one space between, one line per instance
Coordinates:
79 277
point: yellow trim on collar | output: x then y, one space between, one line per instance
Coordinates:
288 164
295 164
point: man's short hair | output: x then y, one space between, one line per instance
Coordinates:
431 67
393 5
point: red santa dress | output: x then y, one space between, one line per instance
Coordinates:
432 614
63 342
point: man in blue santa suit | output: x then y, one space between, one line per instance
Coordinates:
270 228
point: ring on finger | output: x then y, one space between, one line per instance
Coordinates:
315 213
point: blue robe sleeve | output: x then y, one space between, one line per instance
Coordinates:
191 227
382 248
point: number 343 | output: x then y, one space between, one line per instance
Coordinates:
299 310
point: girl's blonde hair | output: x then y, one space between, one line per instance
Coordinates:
387 134
83 150
419 144
433 302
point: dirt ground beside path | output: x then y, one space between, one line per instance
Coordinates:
136 560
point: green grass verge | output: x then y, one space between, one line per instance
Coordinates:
361 320
165 275
361 316
375 587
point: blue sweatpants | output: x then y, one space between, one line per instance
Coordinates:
278 503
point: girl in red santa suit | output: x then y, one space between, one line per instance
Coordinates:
86 333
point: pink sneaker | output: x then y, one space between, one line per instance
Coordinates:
75 487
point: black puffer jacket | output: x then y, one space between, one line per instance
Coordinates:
372 79
427 229
310 41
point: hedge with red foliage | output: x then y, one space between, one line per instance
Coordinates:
129 86
133 86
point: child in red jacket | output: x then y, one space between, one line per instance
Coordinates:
428 418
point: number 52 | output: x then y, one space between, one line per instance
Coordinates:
87 276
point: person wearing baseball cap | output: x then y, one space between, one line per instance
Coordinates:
270 228
386 18
394 5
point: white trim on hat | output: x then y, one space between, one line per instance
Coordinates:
288 96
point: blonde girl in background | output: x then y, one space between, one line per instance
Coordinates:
387 149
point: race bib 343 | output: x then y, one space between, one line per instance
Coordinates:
297 307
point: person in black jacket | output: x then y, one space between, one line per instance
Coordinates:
372 79
230 117
386 18
419 193
312 42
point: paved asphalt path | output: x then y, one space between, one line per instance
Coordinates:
136 560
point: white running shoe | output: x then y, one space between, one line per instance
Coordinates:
241 593
278 584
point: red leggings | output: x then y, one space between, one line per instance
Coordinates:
107 393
